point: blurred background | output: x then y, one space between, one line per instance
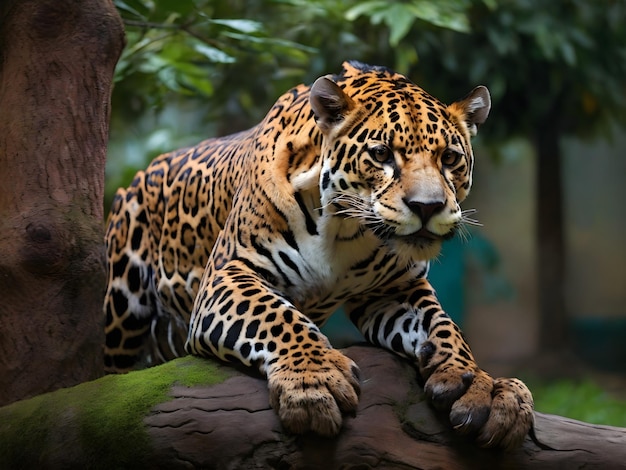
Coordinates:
540 288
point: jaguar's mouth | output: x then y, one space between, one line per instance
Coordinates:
421 245
423 236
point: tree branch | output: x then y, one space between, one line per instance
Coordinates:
229 424
186 28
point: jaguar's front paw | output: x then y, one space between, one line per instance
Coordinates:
311 393
497 413
511 415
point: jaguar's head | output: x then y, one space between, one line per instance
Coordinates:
394 157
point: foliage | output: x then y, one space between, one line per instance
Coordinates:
192 62
572 52
581 400
195 47
562 61
185 47
400 17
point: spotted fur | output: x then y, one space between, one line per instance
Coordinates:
241 246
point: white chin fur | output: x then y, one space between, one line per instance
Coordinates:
409 253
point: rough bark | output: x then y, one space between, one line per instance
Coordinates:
229 425
56 67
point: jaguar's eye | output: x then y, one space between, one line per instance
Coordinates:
381 153
450 158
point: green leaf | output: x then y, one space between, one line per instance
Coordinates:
214 54
568 53
445 14
399 20
167 76
366 8
168 11
128 10
200 84
243 26
269 41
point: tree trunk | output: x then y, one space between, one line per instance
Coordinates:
553 325
194 413
57 59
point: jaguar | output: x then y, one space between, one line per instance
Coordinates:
242 246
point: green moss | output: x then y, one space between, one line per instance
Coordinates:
22 432
107 413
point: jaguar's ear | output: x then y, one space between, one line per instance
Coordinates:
330 104
474 107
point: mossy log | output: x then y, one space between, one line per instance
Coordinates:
195 413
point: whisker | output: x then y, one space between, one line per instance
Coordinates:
463 233
352 206
465 219
462 227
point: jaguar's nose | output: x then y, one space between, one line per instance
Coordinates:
424 210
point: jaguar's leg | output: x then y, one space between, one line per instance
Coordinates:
129 302
239 317
497 413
